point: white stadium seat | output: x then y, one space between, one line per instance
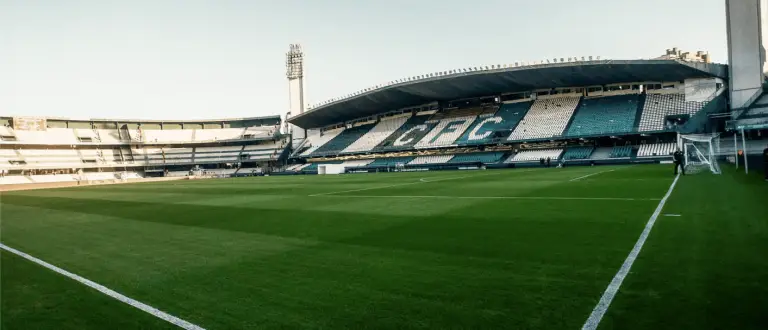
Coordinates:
658 106
446 132
656 150
377 134
318 140
436 159
546 118
535 155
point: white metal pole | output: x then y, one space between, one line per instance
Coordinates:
736 148
744 147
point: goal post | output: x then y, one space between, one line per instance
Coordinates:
700 152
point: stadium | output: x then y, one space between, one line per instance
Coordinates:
525 195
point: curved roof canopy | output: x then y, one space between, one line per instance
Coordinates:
506 80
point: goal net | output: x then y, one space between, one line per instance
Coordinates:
700 153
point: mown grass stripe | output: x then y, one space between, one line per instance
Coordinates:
107 291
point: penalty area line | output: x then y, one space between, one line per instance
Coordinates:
107 291
610 292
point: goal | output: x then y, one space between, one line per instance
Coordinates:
700 152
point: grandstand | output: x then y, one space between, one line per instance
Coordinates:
605 114
64 150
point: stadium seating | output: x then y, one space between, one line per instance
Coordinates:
573 153
343 140
658 106
480 157
656 150
75 136
316 141
390 162
407 135
621 152
535 155
154 156
434 159
103 156
505 120
384 128
601 153
177 155
605 115
51 158
546 118
356 163
263 151
445 132
297 167
216 154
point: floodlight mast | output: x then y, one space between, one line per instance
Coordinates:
294 71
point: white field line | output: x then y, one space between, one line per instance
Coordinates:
497 197
610 292
588 175
109 292
408 183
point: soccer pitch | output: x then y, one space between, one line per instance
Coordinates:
515 249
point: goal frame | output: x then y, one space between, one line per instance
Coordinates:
699 150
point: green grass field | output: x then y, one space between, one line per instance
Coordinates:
515 249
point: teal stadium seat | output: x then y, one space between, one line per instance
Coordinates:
578 153
343 140
478 157
389 162
621 152
605 115
505 120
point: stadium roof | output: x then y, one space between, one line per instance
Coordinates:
506 80
154 121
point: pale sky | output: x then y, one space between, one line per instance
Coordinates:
194 59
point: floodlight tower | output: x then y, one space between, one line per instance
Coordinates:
294 71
